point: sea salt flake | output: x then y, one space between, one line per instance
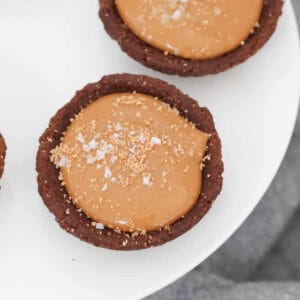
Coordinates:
106 148
90 160
115 136
86 148
164 18
146 181
100 155
113 159
118 126
174 49
93 144
63 162
217 11
80 138
133 149
155 140
104 188
176 15
99 166
107 172
142 138
99 226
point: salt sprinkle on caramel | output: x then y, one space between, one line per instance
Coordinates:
192 29
131 162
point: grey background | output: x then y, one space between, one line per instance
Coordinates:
262 259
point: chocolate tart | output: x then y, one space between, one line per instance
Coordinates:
72 219
2 154
170 64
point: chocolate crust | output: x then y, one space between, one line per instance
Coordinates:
156 59
77 223
2 154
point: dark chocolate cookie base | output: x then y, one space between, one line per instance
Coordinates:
2 154
77 223
171 64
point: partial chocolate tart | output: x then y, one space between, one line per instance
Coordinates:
129 163
144 31
2 154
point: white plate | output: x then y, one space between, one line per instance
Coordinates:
48 49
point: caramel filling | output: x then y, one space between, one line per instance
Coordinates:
131 162
193 29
